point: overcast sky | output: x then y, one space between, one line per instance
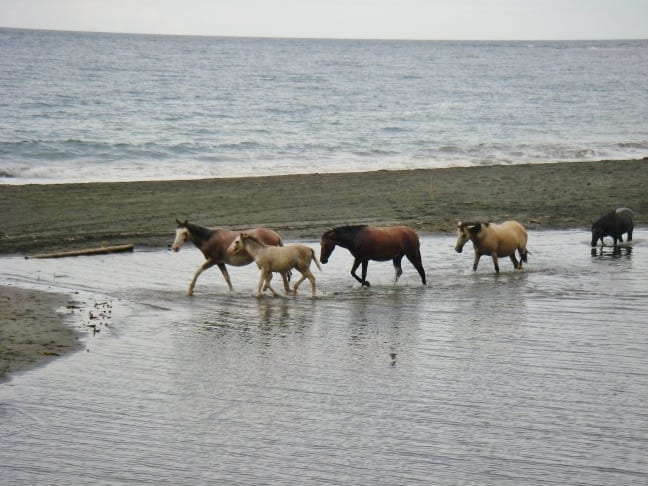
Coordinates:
385 19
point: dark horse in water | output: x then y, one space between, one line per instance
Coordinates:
213 243
371 243
614 224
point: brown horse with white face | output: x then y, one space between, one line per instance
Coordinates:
494 240
374 243
213 243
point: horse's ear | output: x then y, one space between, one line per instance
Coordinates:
475 228
178 221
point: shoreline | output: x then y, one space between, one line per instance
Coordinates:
54 217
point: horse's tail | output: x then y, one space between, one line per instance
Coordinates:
315 259
524 253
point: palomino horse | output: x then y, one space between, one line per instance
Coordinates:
276 259
213 243
495 240
371 243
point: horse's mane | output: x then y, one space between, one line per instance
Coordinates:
345 231
200 232
248 236
476 223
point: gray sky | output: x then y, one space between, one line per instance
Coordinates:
386 19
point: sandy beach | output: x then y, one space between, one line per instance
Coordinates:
44 218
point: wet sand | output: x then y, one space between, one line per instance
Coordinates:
45 218
31 332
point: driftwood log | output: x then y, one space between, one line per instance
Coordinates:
85 252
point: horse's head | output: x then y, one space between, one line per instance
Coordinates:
327 245
182 235
597 233
238 245
464 231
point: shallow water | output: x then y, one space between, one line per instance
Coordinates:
532 376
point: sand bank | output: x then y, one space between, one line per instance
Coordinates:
31 332
67 216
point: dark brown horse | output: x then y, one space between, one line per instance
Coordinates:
371 243
213 243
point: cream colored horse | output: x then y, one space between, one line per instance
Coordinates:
276 259
495 240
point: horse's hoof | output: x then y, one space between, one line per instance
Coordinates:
366 284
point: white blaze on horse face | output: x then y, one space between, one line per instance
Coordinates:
182 235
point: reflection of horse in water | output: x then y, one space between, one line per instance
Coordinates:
213 243
372 243
494 240
613 251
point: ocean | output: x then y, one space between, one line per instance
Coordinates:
83 107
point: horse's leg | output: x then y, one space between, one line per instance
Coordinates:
266 281
311 278
209 263
476 261
415 259
365 264
262 279
397 266
494 257
284 278
267 284
298 282
225 273
515 262
356 264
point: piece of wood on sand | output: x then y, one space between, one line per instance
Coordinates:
85 252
